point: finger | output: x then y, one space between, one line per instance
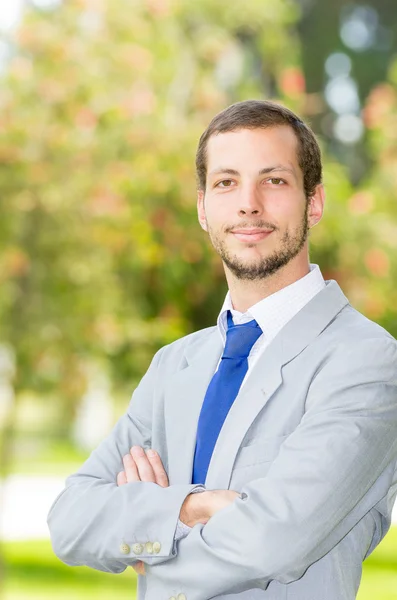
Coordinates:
142 462
160 475
131 469
121 478
139 568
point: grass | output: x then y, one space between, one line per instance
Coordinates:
379 581
34 573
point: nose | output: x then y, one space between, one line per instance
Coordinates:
249 202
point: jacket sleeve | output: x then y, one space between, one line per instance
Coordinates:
96 523
331 471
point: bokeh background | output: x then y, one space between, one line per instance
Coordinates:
102 262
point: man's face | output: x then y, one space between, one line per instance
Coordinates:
254 186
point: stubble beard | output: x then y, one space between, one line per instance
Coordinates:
291 245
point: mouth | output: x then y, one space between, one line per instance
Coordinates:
250 235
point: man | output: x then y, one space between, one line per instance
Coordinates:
283 416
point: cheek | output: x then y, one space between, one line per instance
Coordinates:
215 214
221 208
287 210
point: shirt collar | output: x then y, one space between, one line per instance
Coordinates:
273 312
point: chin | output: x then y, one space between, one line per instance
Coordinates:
250 256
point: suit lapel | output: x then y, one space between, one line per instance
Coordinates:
187 390
184 396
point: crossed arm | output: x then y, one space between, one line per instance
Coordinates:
196 508
99 522
331 471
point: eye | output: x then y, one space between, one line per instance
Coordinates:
225 183
276 180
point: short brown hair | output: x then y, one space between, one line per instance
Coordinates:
253 114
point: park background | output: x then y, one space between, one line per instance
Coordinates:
102 262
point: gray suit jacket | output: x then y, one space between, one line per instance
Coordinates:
310 443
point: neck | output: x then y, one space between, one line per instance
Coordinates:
245 293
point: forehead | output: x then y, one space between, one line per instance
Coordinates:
253 146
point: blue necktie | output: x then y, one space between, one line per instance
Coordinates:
222 391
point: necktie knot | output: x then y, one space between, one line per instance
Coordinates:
240 338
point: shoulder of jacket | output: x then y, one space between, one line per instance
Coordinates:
355 326
179 346
351 334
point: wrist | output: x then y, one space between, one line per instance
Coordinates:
195 509
203 506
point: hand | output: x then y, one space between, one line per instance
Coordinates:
142 467
200 507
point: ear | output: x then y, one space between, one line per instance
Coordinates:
316 207
201 210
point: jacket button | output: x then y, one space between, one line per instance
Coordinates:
149 547
156 547
124 549
137 548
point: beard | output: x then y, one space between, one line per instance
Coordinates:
291 244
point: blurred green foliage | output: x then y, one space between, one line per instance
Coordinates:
101 257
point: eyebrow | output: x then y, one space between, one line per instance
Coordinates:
263 171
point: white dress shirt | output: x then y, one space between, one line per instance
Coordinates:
271 314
